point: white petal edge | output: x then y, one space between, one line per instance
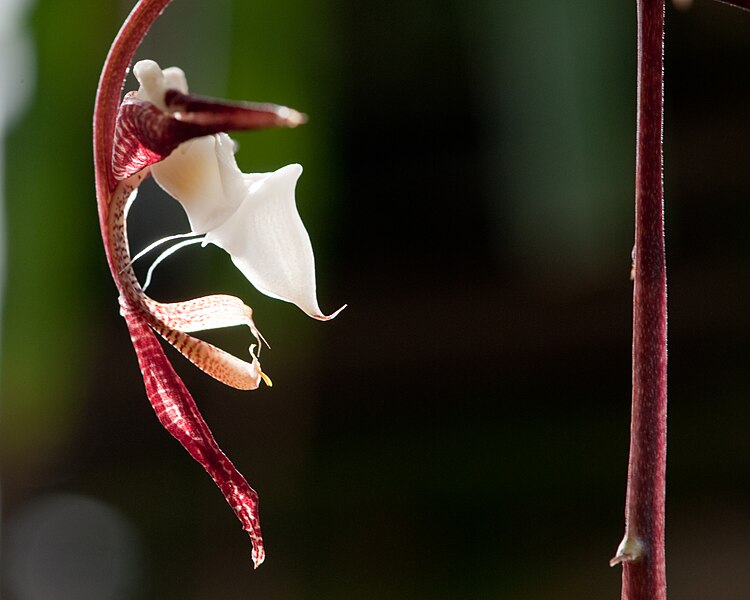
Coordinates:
268 242
251 216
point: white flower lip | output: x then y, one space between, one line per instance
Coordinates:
252 216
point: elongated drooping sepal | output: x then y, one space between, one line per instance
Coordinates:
177 412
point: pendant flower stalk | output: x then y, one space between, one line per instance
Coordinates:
161 130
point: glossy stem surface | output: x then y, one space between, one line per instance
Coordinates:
643 559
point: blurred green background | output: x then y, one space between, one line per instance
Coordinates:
461 430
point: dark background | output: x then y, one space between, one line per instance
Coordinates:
461 429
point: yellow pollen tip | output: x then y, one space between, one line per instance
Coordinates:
266 378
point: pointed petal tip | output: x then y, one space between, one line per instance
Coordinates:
290 117
259 555
293 169
333 315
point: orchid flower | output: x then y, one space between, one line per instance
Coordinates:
180 139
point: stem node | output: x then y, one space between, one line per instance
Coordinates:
629 550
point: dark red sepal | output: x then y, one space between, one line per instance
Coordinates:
145 134
229 116
178 413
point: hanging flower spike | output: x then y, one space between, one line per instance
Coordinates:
162 129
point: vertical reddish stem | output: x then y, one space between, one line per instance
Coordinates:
642 551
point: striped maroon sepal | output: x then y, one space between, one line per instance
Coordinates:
145 134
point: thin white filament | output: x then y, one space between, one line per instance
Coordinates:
129 202
166 254
158 243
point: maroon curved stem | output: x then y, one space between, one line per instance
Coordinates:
108 93
642 550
